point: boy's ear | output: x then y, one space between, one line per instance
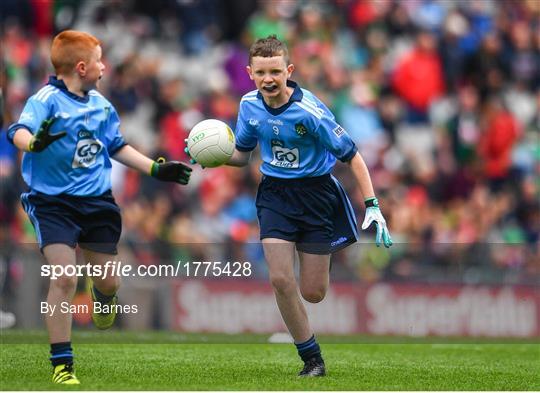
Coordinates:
80 67
290 69
248 69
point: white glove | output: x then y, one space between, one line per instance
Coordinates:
373 213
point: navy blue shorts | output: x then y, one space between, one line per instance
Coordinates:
314 212
94 223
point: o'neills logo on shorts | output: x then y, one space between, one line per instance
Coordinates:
338 241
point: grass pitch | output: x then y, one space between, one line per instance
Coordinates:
170 361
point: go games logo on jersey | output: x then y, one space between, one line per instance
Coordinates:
86 151
284 157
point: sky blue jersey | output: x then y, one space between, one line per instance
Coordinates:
299 139
79 163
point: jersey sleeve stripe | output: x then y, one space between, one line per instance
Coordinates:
309 109
311 105
44 99
308 101
40 94
249 99
253 94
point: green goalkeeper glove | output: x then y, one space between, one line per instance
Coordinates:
373 213
173 171
42 139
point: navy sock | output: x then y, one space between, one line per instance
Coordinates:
61 353
309 349
100 297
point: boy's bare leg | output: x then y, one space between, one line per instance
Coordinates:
279 255
107 285
314 276
62 289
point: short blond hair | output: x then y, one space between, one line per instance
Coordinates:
69 47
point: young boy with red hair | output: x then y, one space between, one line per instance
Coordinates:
69 133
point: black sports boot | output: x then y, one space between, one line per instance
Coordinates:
313 367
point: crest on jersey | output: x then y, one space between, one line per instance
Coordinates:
300 129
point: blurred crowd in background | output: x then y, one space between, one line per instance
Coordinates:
442 98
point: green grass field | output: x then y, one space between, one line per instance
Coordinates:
170 361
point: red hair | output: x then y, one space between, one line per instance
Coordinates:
69 47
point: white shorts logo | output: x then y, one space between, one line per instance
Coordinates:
86 153
285 158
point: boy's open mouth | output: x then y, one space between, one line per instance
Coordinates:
270 88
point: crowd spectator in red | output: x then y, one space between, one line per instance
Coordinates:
418 77
500 133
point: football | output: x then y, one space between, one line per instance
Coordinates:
211 143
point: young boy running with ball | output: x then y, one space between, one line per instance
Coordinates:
300 205
69 133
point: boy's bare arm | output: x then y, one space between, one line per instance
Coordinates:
361 174
22 138
239 158
172 171
132 158
373 213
